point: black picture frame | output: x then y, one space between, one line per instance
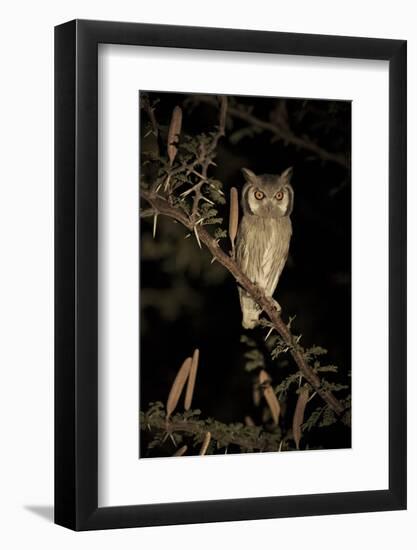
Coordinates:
76 270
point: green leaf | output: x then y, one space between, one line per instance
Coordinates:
220 233
313 352
281 347
212 221
332 386
347 418
313 419
238 135
328 418
327 368
285 384
255 360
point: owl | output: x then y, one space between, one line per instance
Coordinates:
264 236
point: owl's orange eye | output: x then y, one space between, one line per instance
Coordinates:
259 195
279 196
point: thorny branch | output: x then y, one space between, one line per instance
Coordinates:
252 440
208 155
145 104
280 132
163 207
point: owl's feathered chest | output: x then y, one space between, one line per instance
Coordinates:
262 247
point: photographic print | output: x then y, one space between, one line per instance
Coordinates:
245 274
204 246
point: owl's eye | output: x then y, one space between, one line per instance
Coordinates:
279 196
259 195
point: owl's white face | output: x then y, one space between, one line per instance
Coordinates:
267 196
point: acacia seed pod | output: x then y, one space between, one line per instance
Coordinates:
233 215
298 418
273 403
269 395
191 380
178 385
264 377
256 394
205 444
266 415
174 133
182 450
249 422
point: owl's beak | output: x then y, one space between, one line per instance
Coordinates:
270 208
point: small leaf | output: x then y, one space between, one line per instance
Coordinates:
329 418
220 233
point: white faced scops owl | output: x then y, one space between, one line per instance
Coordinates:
264 235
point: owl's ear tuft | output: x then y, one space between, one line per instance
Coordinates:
248 175
287 174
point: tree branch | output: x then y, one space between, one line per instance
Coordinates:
284 134
209 154
145 104
163 207
222 433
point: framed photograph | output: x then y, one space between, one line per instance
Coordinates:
230 252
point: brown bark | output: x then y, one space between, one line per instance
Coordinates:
284 134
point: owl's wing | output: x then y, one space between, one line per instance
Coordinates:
261 253
246 250
275 273
274 257
242 256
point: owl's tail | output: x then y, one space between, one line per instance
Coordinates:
250 310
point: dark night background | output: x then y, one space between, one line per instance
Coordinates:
187 303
